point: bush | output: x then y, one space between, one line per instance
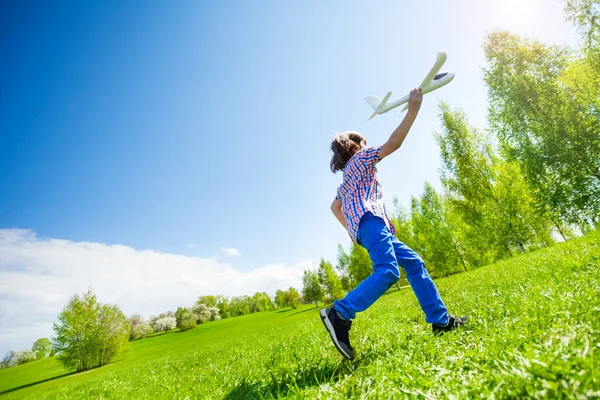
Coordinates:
89 334
187 322
185 319
164 323
214 313
25 356
138 328
140 331
202 313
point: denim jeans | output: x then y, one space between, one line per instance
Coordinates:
387 252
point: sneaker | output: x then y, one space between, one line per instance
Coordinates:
338 329
453 323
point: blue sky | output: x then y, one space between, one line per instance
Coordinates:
189 127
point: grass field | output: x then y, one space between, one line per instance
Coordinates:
534 332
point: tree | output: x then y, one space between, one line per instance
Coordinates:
214 313
24 356
261 302
360 266
42 348
89 334
280 300
239 305
201 313
210 301
163 323
585 15
222 303
186 319
497 214
312 290
403 225
9 359
343 267
287 298
330 281
545 107
292 297
440 247
138 328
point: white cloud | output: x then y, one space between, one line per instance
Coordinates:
38 276
230 251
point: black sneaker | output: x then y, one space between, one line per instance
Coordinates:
338 329
453 323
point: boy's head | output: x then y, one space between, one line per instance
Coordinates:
344 146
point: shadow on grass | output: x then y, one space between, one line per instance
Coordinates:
278 388
38 382
307 310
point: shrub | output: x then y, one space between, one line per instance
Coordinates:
25 356
140 331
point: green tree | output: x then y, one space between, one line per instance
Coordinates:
343 267
292 297
209 300
261 302
330 280
222 303
287 298
42 348
440 246
185 318
239 305
112 333
360 266
585 15
312 290
402 222
89 334
545 107
472 176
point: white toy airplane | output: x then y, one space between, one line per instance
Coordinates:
429 84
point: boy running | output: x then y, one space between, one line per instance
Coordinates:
360 209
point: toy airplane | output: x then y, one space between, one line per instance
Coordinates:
429 84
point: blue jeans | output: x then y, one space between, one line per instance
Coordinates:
386 252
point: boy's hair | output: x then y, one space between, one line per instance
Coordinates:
344 146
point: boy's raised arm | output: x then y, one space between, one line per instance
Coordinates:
397 137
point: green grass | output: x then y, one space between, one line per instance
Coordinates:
534 332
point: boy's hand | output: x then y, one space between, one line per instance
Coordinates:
414 101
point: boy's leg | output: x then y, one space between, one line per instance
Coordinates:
421 283
376 237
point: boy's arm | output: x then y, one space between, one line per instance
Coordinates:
336 207
397 137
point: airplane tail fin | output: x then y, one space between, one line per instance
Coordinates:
373 101
377 103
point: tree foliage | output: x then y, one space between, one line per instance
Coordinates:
42 348
545 108
312 292
330 281
89 334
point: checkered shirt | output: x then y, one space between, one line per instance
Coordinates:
361 190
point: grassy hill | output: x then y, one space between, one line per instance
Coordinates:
534 332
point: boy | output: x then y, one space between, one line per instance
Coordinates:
360 209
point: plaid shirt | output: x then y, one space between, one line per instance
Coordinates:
361 191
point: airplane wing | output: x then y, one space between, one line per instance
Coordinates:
441 59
